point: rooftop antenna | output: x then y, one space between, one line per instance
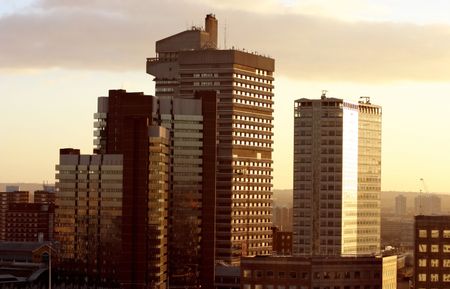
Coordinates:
364 99
225 35
324 94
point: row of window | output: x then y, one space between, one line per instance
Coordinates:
434 263
252 103
253 135
251 118
252 188
251 94
252 78
433 277
434 233
251 86
434 248
252 164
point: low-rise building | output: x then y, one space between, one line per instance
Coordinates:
282 242
275 272
432 252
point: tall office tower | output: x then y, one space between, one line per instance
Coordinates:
337 170
369 177
88 215
400 205
159 164
189 62
124 121
7 198
193 125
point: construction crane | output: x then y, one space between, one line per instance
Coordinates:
423 189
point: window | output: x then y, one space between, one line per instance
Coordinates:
434 263
269 274
422 277
423 233
434 233
446 277
422 248
446 249
247 274
258 274
446 233
446 263
434 277
422 262
435 248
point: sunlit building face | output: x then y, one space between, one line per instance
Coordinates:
337 171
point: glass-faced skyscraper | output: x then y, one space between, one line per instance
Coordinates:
337 177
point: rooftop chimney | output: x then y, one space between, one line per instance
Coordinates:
211 27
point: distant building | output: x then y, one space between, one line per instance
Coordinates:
282 242
337 177
10 189
400 205
282 218
398 232
432 252
27 222
427 204
7 198
319 272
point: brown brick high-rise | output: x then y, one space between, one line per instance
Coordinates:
188 62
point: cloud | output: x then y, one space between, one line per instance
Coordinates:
119 35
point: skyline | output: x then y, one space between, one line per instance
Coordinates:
53 85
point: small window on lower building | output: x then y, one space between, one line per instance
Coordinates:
247 274
434 277
422 277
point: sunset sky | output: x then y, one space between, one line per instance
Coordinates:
58 56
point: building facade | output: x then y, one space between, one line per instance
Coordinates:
27 222
88 215
273 272
337 177
432 252
282 242
168 184
189 62
6 198
44 197
400 205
